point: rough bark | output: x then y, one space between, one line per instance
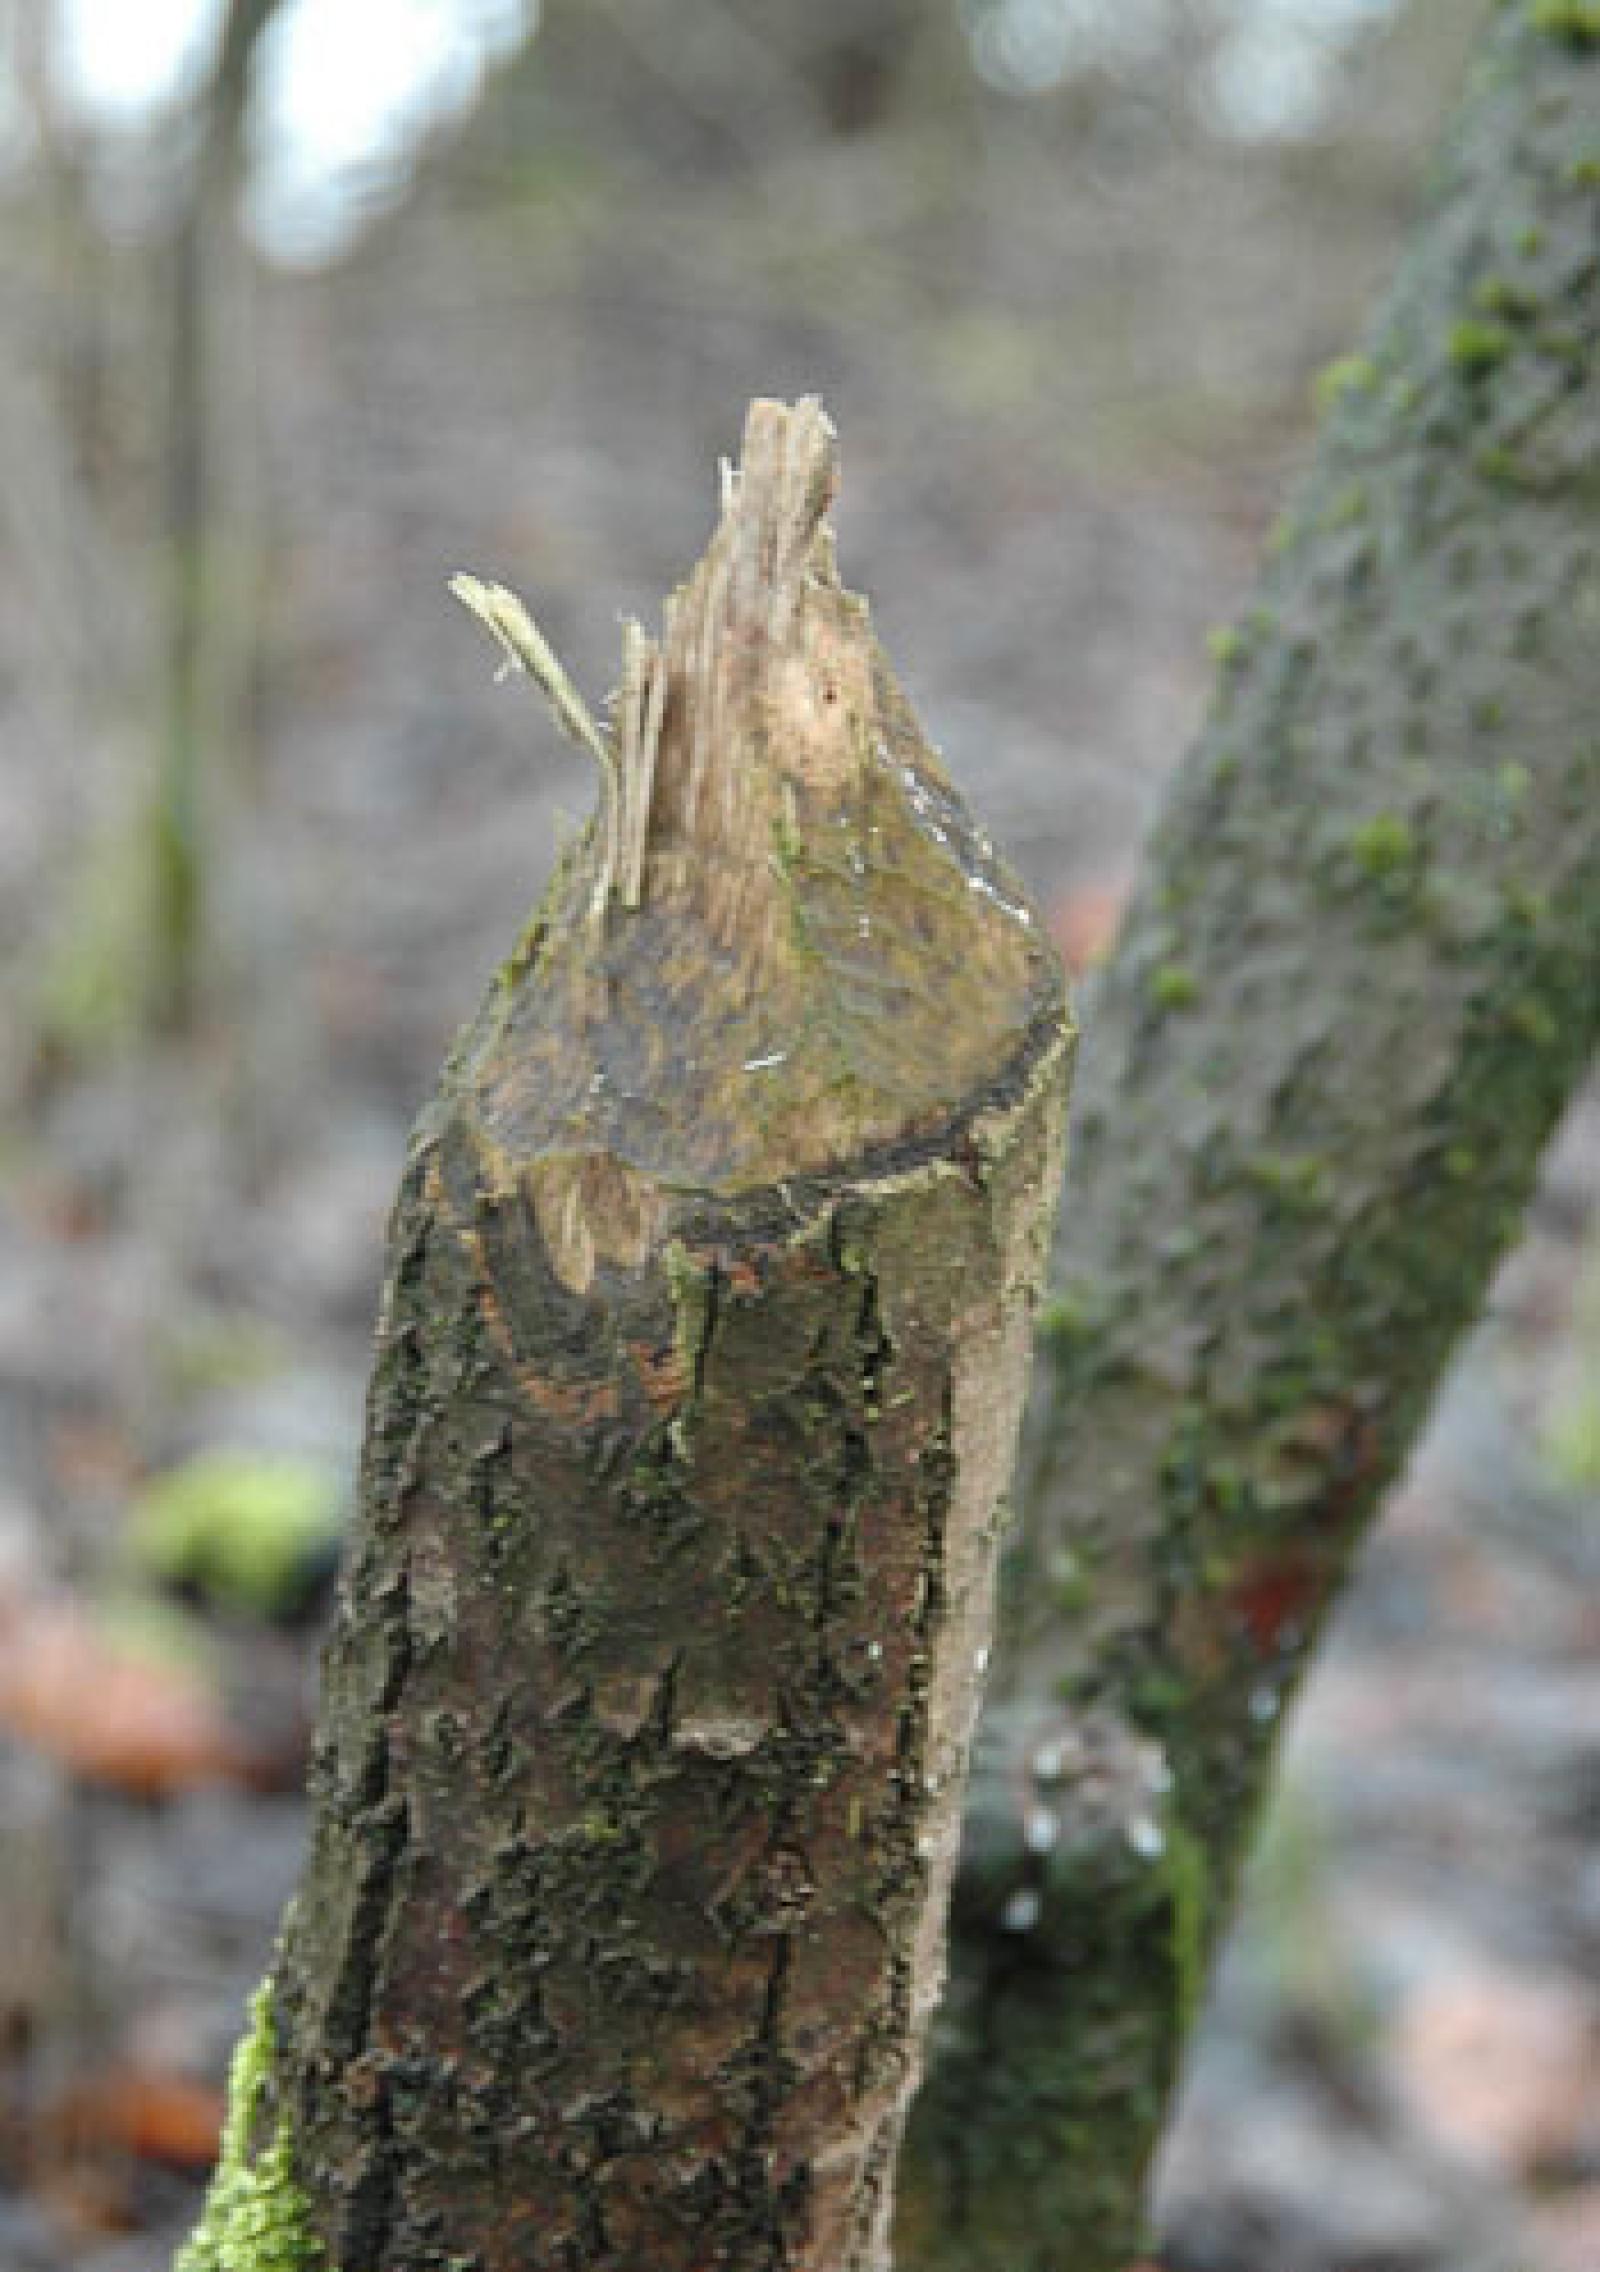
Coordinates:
708 1313
1359 981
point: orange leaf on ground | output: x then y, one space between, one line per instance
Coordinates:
1502 2065
156 2116
105 1711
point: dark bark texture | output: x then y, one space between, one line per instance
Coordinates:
1360 980
709 1306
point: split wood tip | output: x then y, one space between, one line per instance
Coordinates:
783 944
718 632
775 502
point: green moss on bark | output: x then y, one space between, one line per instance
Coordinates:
256 2217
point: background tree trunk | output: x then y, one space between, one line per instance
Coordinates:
211 512
703 1345
1360 979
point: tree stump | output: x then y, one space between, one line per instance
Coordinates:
702 1349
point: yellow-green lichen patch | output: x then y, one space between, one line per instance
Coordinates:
1498 297
1476 347
1349 375
1066 1323
1533 1021
1225 646
1299 1184
1384 846
1348 508
1174 987
1188 1880
255 2218
690 1283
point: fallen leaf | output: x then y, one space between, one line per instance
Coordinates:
154 2115
1501 2067
105 1710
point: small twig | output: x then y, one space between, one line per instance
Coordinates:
526 648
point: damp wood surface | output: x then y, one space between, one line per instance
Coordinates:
704 1337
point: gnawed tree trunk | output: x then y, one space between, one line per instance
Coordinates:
702 1349
1359 982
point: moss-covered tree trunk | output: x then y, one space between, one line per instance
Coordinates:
704 1340
1359 981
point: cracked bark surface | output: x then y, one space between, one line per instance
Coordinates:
707 1319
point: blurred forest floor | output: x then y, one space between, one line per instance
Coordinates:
1070 345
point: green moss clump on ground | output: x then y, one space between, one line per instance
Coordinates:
1511 303
1174 987
250 1530
1576 21
1477 347
1384 846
